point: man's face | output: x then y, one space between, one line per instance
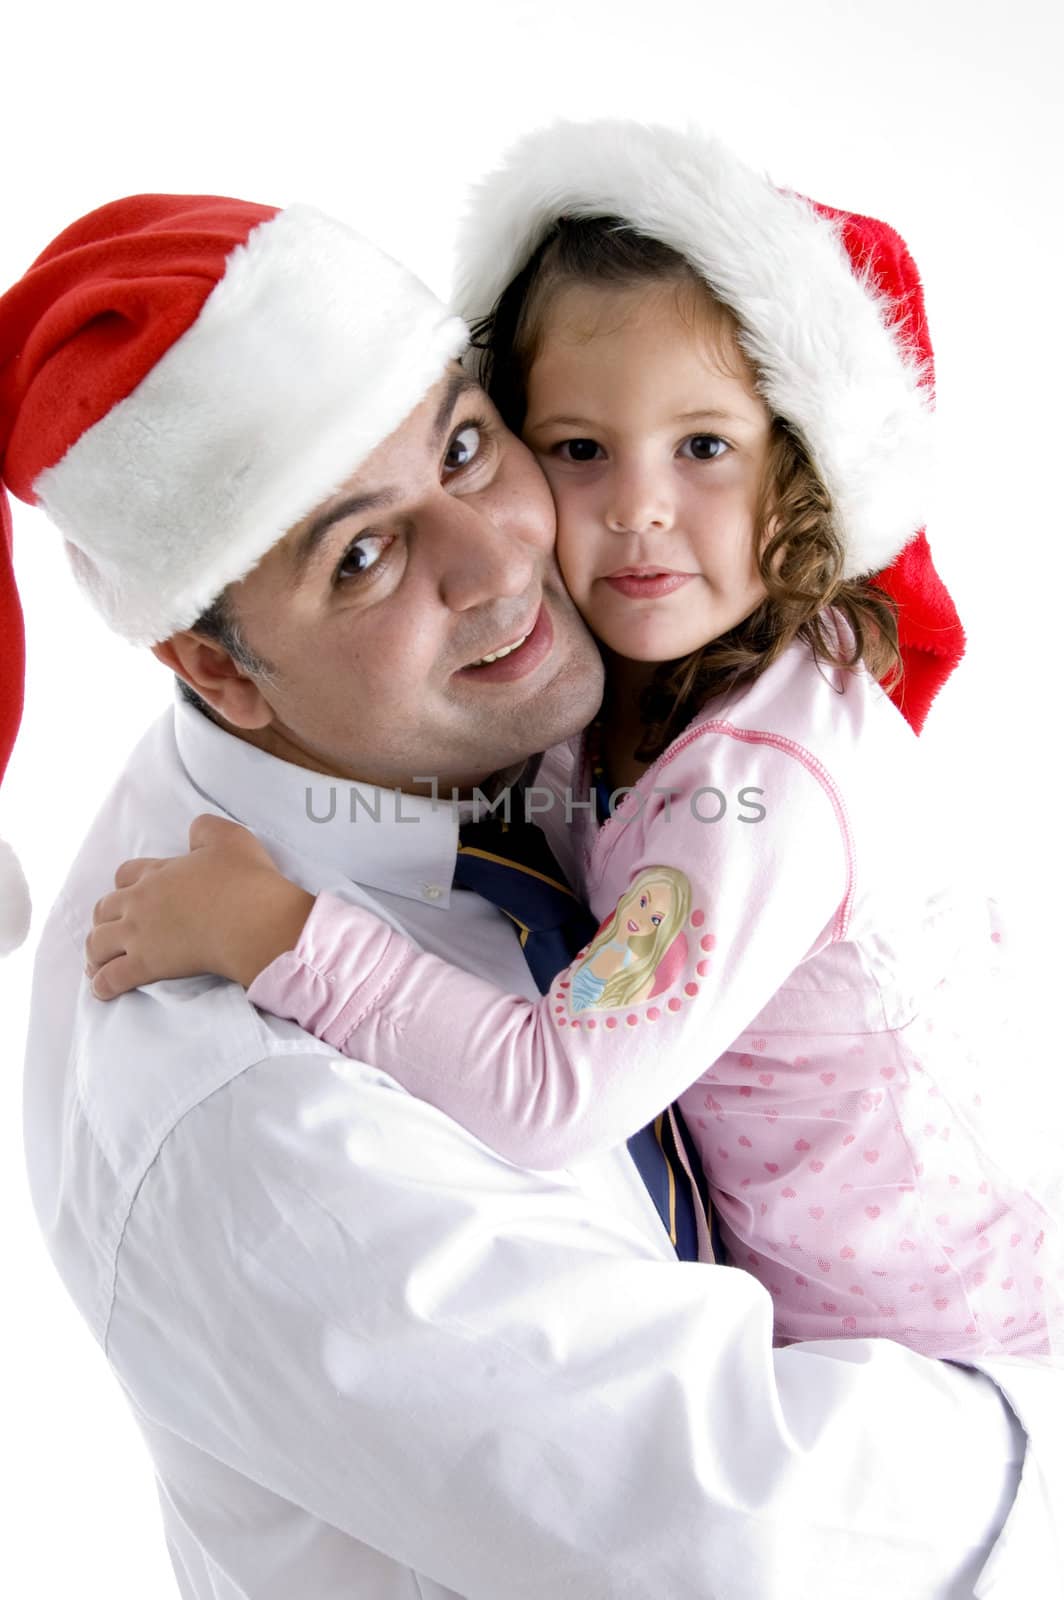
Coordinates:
378 610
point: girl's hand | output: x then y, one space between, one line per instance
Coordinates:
223 908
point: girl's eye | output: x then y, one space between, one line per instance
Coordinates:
657 920
642 902
463 447
577 449
704 447
362 556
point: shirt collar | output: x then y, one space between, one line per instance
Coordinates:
396 843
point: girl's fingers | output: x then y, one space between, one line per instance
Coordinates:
130 872
207 829
105 941
109 908
115 978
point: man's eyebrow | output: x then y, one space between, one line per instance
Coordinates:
458 384
310 540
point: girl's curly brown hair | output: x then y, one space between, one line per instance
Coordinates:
801 559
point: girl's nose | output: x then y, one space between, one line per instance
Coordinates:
639 503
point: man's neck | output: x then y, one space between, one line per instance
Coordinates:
275 742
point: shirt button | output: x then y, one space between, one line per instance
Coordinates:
432 891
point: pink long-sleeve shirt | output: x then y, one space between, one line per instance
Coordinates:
784 950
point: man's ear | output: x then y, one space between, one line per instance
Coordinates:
208 668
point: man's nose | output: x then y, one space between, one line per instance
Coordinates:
477 561
639 501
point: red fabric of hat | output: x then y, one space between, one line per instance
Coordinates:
97 310
930 633
13 642
14 896
78 333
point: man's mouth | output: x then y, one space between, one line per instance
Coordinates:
503 650
515 657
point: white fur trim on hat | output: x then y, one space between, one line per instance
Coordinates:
14 901
311 349
817 335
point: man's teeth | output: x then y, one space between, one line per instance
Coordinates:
497 655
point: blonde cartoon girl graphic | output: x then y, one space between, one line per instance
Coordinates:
630 949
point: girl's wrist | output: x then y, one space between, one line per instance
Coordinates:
273 919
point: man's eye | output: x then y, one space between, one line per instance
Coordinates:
463 447
362 555
577 449
704 447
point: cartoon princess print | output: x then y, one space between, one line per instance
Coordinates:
623 961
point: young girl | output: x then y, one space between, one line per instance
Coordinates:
733 422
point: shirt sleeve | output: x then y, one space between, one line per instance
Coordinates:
704 921
481 1373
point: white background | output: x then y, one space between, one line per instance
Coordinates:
940 117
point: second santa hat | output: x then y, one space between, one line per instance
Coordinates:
830 311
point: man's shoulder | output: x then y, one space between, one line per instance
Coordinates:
146 812
106 1083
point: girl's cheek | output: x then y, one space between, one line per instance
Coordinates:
569 564
569 541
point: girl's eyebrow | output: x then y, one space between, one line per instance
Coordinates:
567 422
711 414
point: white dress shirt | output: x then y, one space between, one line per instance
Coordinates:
372 1358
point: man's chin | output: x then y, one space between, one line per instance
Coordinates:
571 694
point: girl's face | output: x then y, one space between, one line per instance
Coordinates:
653 439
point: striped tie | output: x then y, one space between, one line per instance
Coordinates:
511 864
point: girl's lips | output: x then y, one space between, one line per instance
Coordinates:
520 662
648 586
633 927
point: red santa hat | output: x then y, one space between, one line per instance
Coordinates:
183 378
831 315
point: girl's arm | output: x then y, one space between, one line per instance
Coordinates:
546 1082
723 911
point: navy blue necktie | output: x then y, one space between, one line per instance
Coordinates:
511 864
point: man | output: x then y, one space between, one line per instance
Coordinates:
368 1356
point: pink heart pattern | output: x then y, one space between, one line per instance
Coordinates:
885 1145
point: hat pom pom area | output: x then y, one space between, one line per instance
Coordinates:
14 901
